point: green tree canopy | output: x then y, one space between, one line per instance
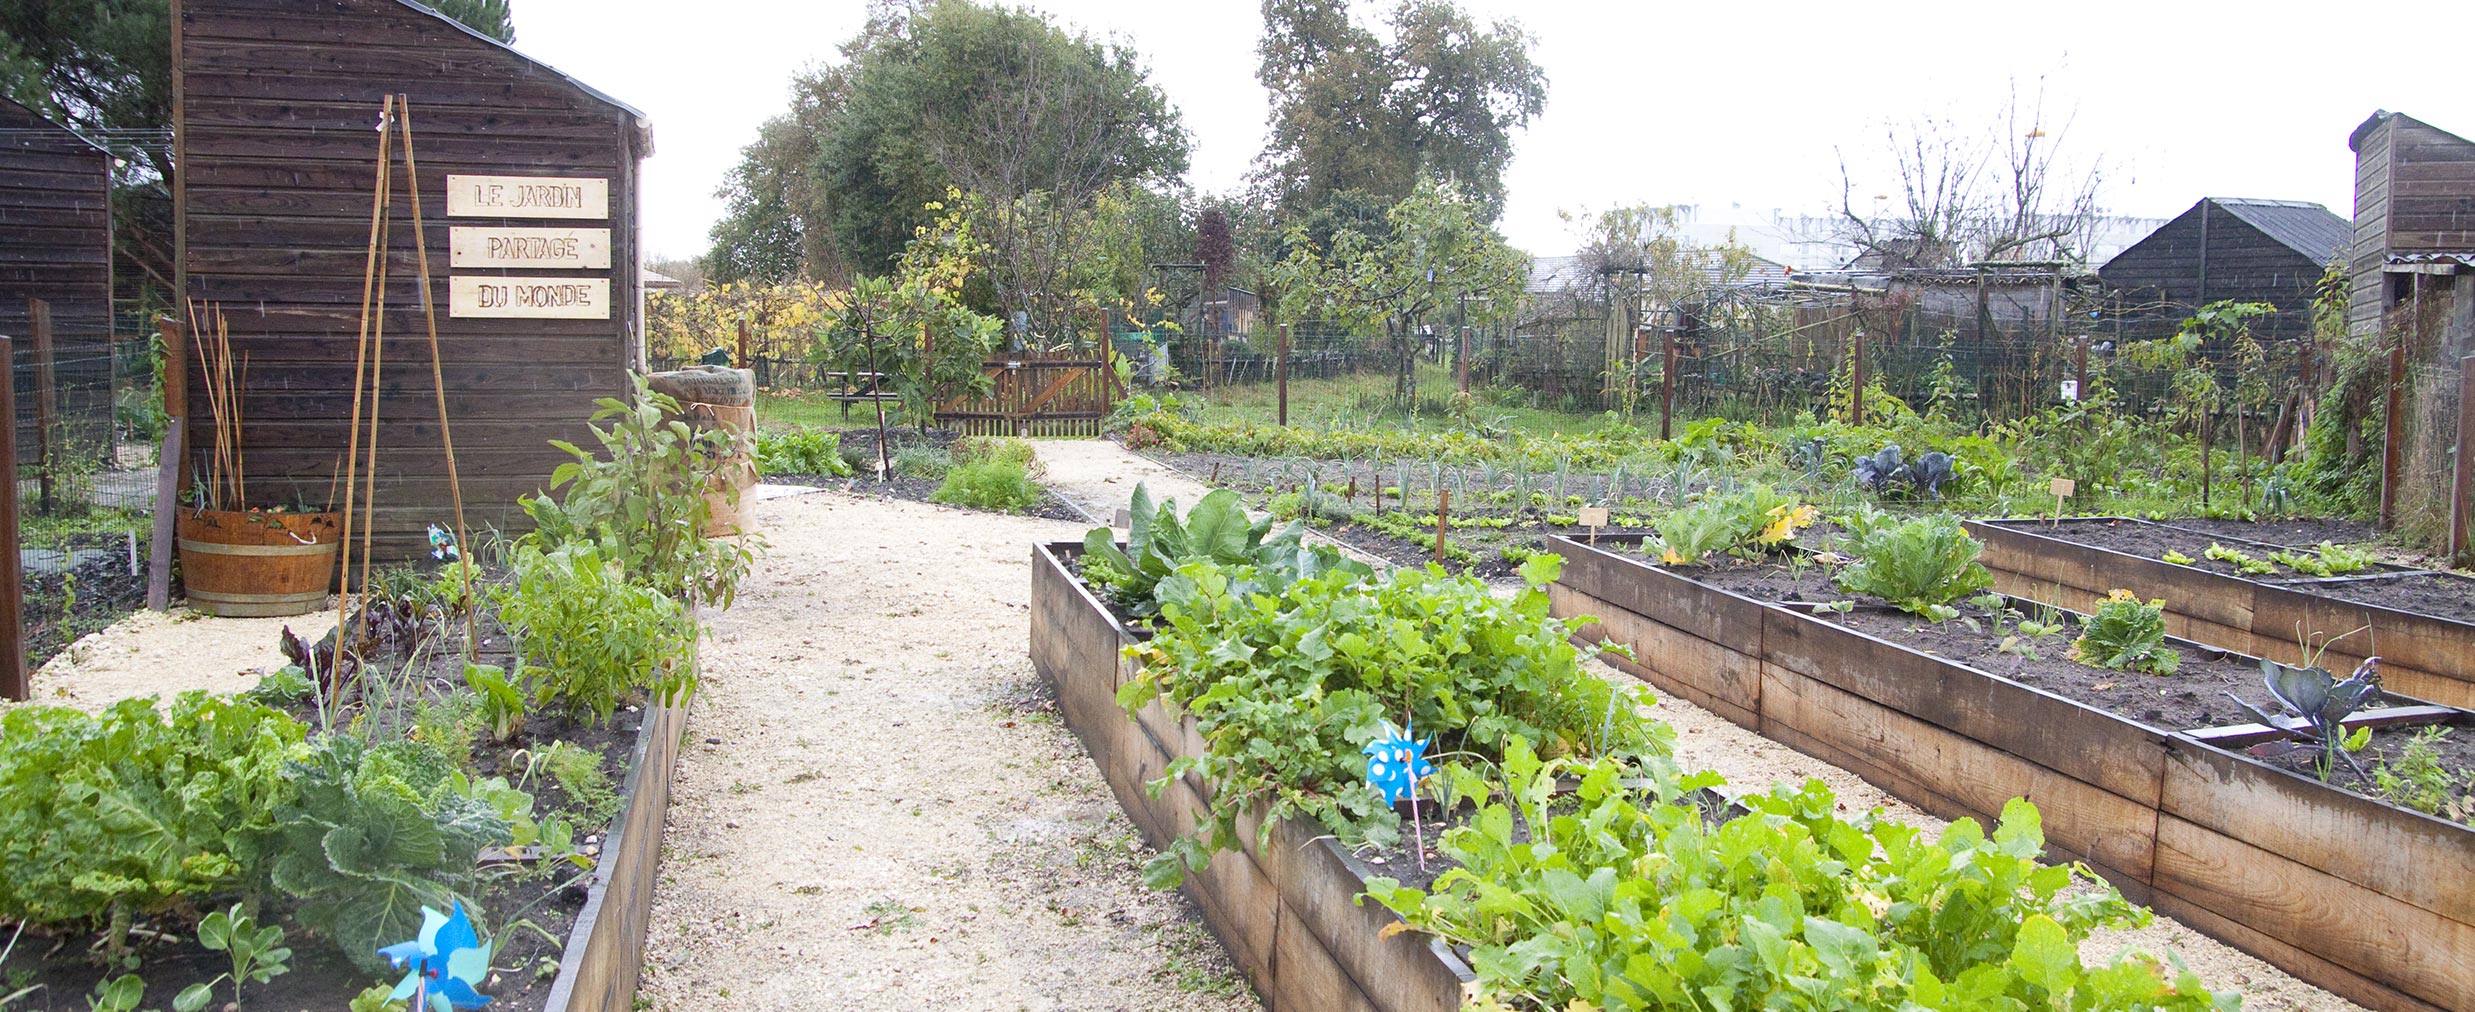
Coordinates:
1353 110
1438 251
1000 102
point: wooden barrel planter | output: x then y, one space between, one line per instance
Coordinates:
2369 900
2427 656
1286 910
252 564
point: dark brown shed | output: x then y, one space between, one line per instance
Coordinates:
274 116
56 245
2414 212
2272 251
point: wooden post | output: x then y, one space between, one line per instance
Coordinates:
1667 387
1443 518
1463 361
2079 369
2205 428
167 508
2462 488
1856 364
743 344
2392 450
175 382
13 683
1283 369
46 400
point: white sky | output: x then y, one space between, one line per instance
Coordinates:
1712 103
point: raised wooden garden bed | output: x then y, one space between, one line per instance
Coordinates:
2371 901
1286 910
2423 655
605 949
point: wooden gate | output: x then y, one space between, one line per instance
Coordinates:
1038 394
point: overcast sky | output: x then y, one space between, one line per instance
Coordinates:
1708 103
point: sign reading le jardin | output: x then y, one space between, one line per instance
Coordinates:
529 298
528 197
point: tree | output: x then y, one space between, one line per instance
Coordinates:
1215 247
1000 102
1352 110
1635 261
1964 196
912 326
1440 251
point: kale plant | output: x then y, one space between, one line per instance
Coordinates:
1888 472
2324 703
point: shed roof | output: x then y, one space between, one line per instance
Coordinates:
2305 227
2354 141
643 125
48 127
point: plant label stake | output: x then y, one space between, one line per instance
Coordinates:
2062 489
1593 517
1124 519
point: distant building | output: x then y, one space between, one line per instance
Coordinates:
2414 230
2272 251
1812 242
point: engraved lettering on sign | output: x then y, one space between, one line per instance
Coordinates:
529 298
528 246
528 197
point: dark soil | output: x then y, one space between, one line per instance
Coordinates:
322 978
2195 696
2437 594
57 610
2283 533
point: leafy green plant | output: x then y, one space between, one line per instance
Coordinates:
642 499
123 993
135 811
1620 899
996 484
984 449
2126 633
2416 779
578 771
2324 702
1157 542
2176 558
1754 519
589 637
257 951
1287 689
500 699
2241 562
800 451
1920 565
922 462
375 834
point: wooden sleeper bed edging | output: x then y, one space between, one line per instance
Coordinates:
605 949
1286 910
2370 901
2425 656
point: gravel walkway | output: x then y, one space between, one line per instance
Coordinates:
878 808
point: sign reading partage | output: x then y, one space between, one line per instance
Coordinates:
530 246
568 298
528 197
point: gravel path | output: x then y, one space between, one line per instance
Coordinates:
149 653
879 809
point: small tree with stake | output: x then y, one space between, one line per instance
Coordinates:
911 330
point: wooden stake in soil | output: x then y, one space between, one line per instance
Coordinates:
1284 375
438 380
167 507
370 299
13 684
46 401
2462 484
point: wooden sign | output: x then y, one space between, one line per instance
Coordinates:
529 298
1593 517
2064 488
530 246
528 197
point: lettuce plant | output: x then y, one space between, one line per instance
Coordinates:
2126 633
1920 565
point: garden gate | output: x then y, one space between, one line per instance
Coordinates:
1066 393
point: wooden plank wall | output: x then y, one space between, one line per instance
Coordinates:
278 160
56 245
2414 193
2244 264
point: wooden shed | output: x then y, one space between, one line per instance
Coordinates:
2272 251
56 246
528 182
2414 220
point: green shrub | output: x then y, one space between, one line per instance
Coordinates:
1921 565
1624 899
1000 485
642 499
1287 689
800 451
589 638
983 449
920 462
135 811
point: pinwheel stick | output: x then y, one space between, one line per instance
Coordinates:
1417 826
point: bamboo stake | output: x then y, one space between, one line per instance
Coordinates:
378 368
352 451
438 381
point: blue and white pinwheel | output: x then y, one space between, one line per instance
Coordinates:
442 544
1396 762
447 961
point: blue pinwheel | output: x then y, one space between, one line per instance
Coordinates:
447 961
442 544
1396 762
